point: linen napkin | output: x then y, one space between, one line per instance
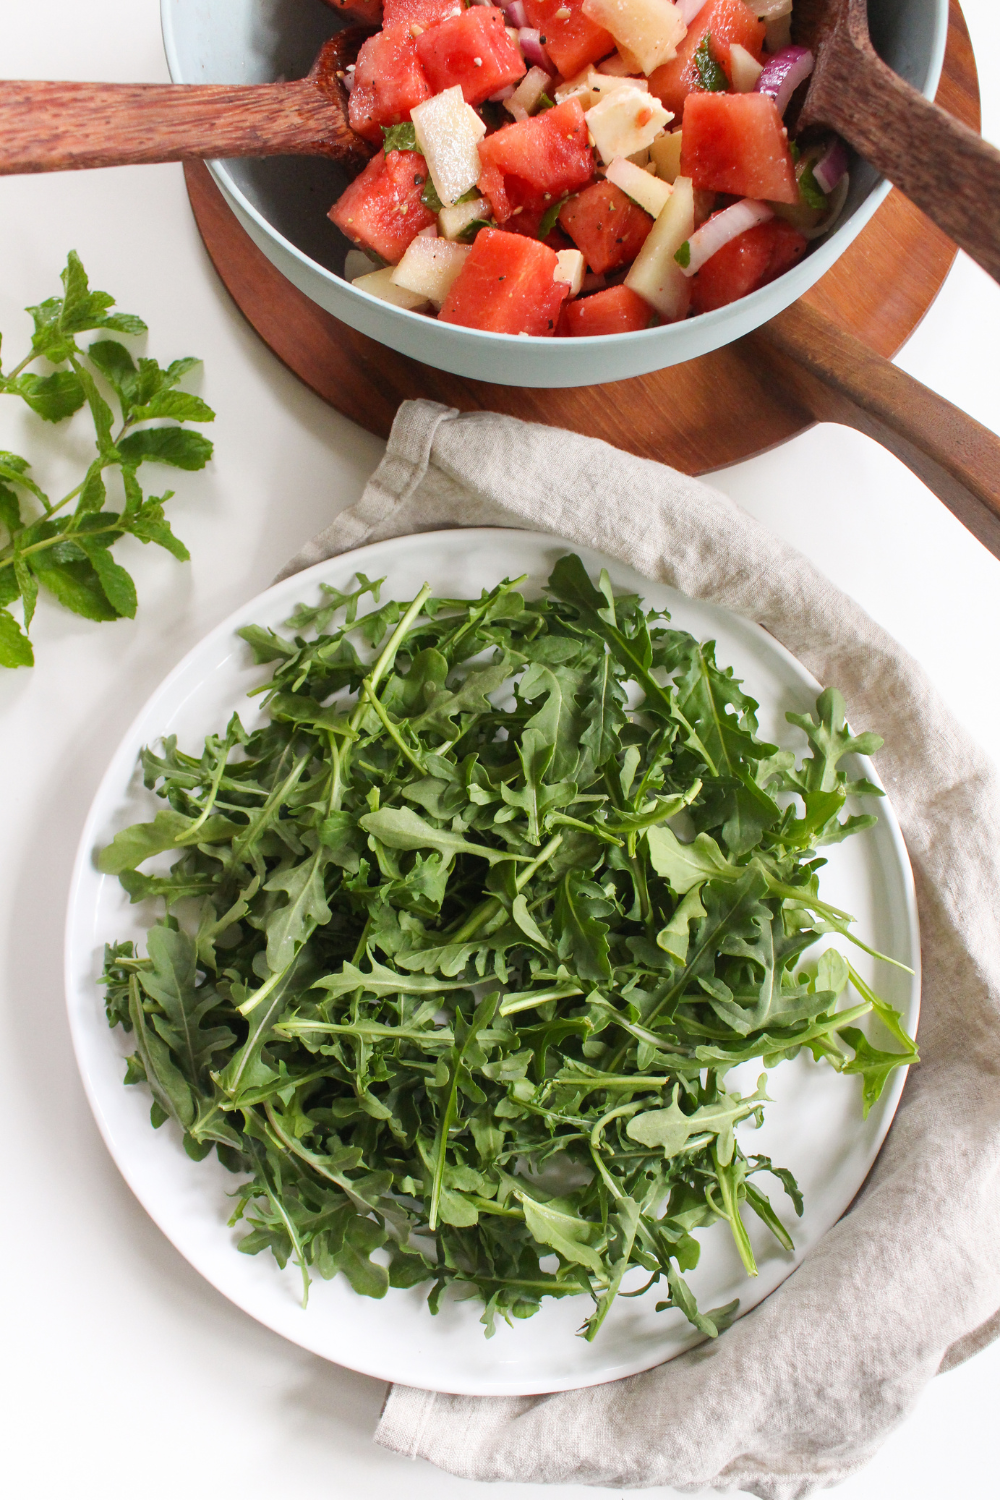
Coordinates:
800 1392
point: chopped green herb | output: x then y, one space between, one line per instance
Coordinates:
468 234
437 973
550 218
400 137
65 545
544 103
429 197
810 191
711 78
683 255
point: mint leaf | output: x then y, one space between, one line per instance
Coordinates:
550 217
810 191
400 137
15 648
166 445
711 78
51 397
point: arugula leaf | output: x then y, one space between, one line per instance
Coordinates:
510 898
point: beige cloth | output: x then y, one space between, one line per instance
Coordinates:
799 1393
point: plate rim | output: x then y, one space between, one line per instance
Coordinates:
112 779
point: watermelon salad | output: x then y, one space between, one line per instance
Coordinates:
576 167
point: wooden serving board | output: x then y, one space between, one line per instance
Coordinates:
698 416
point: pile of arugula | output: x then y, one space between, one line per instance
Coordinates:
472 937
65 545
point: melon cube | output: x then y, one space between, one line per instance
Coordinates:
647 31
651 193
448 133
381 284
578 85
452 221
528 92
625 121
572 268
654 273
429 267
745 69
665 155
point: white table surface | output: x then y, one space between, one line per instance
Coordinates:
123 1372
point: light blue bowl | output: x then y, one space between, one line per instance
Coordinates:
282 202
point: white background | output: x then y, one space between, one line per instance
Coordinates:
122 1371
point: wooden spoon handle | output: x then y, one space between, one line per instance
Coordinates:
940 164
838 379
54 127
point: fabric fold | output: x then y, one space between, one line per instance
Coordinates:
800 1392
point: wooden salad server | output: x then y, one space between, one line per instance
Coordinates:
837 378
941 165
56 127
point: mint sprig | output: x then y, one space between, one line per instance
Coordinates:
65 545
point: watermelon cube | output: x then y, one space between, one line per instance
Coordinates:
368 12
381 210
736 143
750 260
550 150
725 22
617 310
388 82
507 285
423 13
493 185
473 50
572 41
606 225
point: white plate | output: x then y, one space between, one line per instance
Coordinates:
814 1125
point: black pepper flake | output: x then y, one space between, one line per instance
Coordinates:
418 181
619 240
551 323
501 278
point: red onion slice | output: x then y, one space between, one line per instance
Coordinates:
502 94
689 9
783 74
516 14
723 227
530 40
831 166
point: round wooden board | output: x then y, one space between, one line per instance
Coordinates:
698 416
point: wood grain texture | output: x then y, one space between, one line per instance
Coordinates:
698 416
942 165
57 127
839 380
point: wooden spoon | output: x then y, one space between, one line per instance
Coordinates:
54 127
941 165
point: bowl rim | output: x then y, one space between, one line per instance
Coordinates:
839 240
